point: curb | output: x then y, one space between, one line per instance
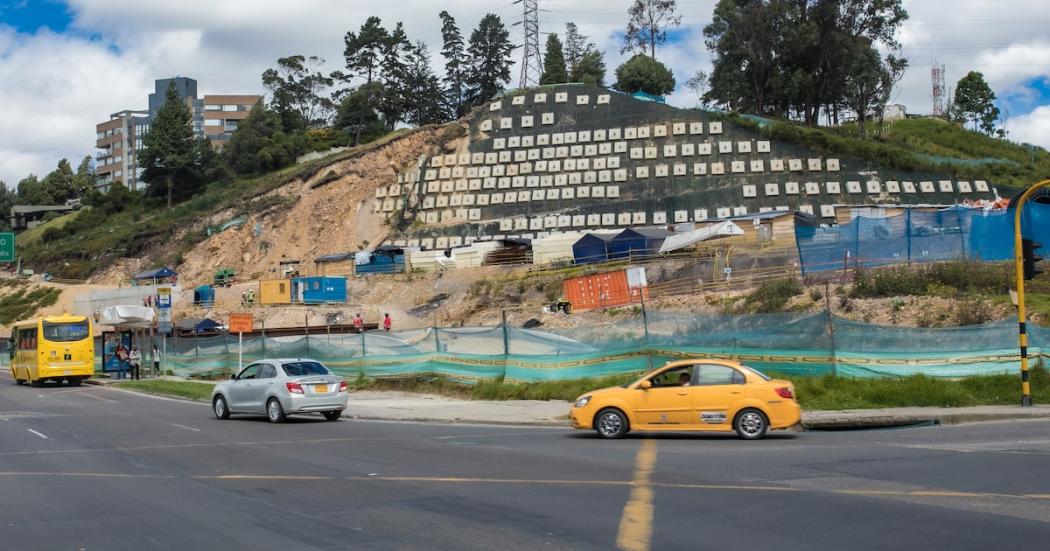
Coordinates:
889 421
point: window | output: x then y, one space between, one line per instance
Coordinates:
250 372
757 372
301 369
717 375
66 332
267 372
212 107
212 122
672 377
230 126
229 107
27 339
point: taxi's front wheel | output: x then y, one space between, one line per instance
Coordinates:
751 424
610 423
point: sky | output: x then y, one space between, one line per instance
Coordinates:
66 65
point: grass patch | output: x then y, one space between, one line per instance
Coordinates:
832 392
945 279
494 390
23 302
770 297
179 389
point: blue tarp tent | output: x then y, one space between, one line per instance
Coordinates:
204 296
593 247
634 242
197 325
155 274
319 289
384 260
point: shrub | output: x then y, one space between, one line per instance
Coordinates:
771 296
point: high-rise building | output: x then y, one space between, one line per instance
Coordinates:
119 139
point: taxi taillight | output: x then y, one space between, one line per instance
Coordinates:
785 392
343 386
294 387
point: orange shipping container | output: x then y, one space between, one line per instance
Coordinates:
275 291
608 289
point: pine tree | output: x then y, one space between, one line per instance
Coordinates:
261 145
455 65
364 50
576 46
490 60
590 69
648 25
425 99
395 76
553 62
173 161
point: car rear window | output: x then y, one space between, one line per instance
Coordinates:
302 369
756 372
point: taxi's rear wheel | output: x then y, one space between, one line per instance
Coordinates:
274 411
611 423
751 424
333 415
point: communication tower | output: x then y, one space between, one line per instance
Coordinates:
531 62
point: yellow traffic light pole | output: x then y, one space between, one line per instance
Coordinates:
1026 395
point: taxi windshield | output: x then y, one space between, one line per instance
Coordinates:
66 332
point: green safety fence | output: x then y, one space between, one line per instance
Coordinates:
794 344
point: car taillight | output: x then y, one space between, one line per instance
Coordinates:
294 387
342 386
785 392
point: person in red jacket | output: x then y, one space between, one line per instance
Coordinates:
386 322
359 323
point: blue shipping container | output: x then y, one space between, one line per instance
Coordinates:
319 289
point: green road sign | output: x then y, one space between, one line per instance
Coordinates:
7 247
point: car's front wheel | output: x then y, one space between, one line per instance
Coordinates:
751 424
333 415
611 423
219 407
274 411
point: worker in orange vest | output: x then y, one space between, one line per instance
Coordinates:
386 322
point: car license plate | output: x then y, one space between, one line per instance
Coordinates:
320 388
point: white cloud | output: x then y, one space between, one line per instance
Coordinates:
55 88
1032 128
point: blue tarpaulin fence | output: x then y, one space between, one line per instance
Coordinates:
917 236
797 344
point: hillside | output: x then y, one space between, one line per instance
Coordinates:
345 201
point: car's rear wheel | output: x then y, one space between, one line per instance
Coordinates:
219 407
751 424
333 415
274 411
611 423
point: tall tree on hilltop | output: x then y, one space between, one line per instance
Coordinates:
746 40
974 99
590 69
298 92
395 77
425 98
455 65
868 84
576 46
698 83
86 179
174 162
32 192
642 73
648 25
357 114
60 184
490 61
260 143
364 50
8 199
553 62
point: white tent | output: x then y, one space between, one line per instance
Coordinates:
677 241
127 316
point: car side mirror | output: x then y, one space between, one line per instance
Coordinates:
233 377
645 385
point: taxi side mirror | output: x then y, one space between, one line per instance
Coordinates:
233 377
645 385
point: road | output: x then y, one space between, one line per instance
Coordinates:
101 469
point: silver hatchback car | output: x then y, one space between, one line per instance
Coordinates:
279 388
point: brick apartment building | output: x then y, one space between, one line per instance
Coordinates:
119 139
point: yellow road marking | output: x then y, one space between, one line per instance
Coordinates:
636 524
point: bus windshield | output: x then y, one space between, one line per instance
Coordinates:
66 332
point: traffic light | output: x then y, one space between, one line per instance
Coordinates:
1028 248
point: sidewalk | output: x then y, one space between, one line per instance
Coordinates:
405 406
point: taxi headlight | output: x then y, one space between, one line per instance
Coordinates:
582 402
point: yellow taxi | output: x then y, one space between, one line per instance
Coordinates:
691 395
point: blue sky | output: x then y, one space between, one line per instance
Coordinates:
28 16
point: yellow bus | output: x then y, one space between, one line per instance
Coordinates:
53 348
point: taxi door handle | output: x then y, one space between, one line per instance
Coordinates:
683 394
734 392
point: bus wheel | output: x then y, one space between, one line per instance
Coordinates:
19 382
75 382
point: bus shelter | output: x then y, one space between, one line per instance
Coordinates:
133 326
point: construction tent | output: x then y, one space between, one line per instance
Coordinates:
676 241
593 247
634 242
557 247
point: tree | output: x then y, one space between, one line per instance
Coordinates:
590 69
8 199
648 25
642 73
364 50
86 181
868 84
357 114
174 162
698 84
455 65
260 143
297 92
394 101
576 46
425 101
32 192
489 55
553 62
60 184
974 100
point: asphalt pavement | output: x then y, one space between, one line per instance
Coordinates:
95 468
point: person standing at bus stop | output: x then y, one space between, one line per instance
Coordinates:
136 363
156 361
122 361
387 322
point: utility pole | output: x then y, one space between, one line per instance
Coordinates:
531 60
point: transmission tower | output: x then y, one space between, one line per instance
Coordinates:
531 62
937 75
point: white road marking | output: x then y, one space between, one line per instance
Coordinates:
90 395
184 427
38 434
